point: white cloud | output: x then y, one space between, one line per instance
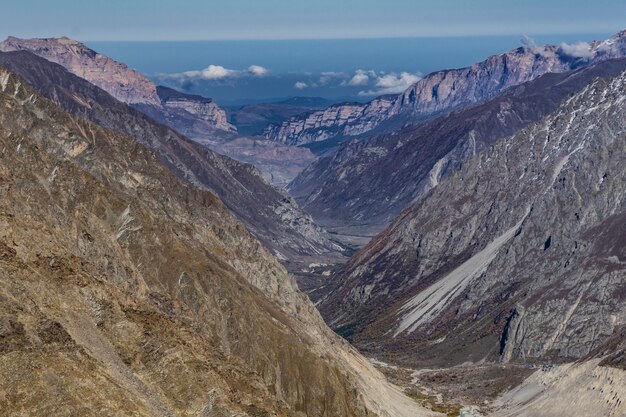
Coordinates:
328 76
529 43
359 78
217 72
300 85
576 50
257 70
392 83
212 72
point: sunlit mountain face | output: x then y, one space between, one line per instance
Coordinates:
241 72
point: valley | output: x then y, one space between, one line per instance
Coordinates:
454 249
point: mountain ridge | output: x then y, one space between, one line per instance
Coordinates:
442 91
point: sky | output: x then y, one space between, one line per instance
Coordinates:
98 20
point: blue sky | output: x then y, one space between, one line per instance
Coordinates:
305 19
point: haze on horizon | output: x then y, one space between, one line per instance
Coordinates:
91 20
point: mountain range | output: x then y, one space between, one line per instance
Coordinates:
442 91
475 264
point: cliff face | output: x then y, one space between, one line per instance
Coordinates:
443 91
123 83
126 291
517 255
340 119
241 187
404 165
200 107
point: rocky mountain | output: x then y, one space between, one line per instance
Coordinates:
271 215
124 83
348 119
197 106
252 119
443 91
406 164
144 295
519 255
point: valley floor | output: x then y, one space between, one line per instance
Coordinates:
583 389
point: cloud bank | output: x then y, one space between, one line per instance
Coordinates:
217 72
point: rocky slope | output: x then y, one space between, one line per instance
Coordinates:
125 291
271 215
517 256
443 91
404 165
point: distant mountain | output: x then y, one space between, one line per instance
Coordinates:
271 215
124 291
123 83
443 91
252 119
402 166
519 254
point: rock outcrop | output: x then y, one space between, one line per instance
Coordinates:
348 119
199 107
443 91
126 291
518 255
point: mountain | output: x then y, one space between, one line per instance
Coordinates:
442 91
517 256
404 165
199 118
144 295
348 119
252 119
271 215
180 104
124 83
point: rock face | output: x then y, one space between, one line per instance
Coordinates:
518 255
122 82
125 291
341 119
443 91
197 106
258 205
404 165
